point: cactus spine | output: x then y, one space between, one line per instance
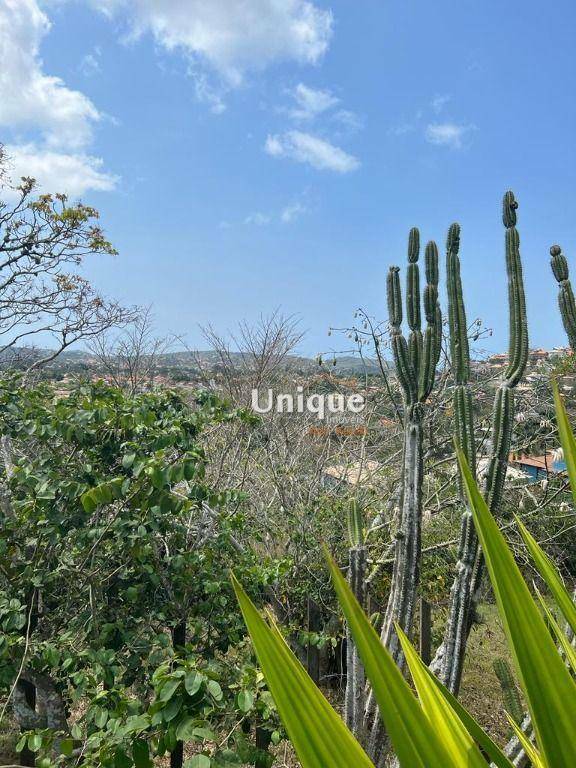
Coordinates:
355 677
416 359
565 294
450 657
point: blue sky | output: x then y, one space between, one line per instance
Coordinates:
240 167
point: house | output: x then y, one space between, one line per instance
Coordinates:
538 467
355 473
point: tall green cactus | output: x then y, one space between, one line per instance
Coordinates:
450 657
354 700
565 294
416 359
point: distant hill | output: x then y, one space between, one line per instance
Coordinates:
81 359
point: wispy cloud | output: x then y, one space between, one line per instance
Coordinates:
311 150
439 102
447 134
258 218
310 102
90 63
292 212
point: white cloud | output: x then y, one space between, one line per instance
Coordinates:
440 101
310 102
447 134
258 219
232 37
292 212
73 174
33 103
29 98
306 148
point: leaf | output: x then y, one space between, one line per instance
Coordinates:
566 437
535 759
88 502
34 742
415 741
546 569
550 690
141 754
474 729
193 682
168 689
185 730
319 736
215 689
561 639
443 718
245 701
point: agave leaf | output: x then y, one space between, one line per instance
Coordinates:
550 689
547 570
318 734
562 640
454 734
472 726
416 742
533 755
566 437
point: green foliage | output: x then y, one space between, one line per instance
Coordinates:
111 538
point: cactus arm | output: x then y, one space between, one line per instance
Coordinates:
566 301
518 344
404 368
432 345
450 657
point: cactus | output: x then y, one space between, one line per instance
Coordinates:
355 678
565 294
355 525
450 656
416 359
510 691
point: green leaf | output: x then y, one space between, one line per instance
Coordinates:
193 682
245 701
67 747
450 718
168 689
550 690
34 742
415 741
215 689
546 569
185 730
88 502
566 437
141 754
319 736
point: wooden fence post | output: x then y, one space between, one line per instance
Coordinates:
313 654
425 631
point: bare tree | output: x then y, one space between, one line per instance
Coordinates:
131 358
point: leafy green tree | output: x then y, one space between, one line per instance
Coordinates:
114 590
